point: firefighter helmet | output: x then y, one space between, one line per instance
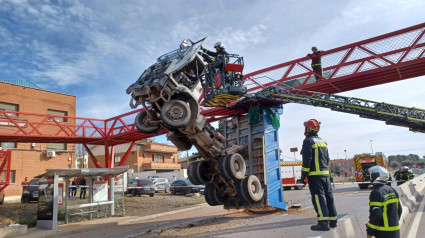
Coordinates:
314 48
378 175
312 125
219 44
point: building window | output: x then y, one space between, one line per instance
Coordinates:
159 158
56 146
12 176
62 115
117 158
144 156
9 107
8 145
172 158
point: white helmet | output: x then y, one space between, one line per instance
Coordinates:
219 44
378 175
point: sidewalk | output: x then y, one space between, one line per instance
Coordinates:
99 224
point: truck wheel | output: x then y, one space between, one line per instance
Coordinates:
191 174
202 168
143 123
240 190
212 197
233 166
175 114
287 188
363 185
299 187
222 167
252 188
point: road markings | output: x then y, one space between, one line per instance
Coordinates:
416 220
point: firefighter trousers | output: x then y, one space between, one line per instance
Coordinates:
318 70
322 198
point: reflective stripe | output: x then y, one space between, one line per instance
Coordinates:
333 218
386 226
326 172
316 147
304 169
316 64
323 218
319 209
380 228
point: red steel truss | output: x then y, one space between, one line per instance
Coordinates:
387 58
4 169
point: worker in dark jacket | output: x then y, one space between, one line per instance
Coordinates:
385 208
316 63
220 55
315 167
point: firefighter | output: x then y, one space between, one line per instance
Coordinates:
315 167
385 208
219 56
406 175
398 173
316 63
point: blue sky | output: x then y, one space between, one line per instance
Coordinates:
96 49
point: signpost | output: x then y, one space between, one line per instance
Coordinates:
295 149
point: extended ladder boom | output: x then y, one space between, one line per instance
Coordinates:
413 118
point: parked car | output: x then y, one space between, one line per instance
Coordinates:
184 186
131 183
162 184
30 193
143 186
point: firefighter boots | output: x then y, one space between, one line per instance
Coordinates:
333 224
321 226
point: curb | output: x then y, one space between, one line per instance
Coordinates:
63 230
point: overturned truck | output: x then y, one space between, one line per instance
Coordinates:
170 98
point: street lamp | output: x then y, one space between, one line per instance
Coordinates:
371 146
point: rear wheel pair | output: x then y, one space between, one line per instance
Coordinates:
232 166
197 172
249 189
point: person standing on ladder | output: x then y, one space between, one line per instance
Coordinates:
316 63
316 167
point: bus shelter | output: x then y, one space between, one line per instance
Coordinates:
100 193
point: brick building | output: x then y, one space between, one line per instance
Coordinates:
31 159
146 155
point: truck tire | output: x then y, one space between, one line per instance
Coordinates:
175 114
363 185
222 167
299 187
252 188
239 189
232 166
212 196
143 124
201 171
191 174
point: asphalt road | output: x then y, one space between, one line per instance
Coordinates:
216 222
207 221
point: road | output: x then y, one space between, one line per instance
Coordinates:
209 221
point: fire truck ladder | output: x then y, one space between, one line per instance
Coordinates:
413 118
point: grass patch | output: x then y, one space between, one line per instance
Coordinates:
30 222
178 205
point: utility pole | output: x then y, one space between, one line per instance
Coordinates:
371 146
